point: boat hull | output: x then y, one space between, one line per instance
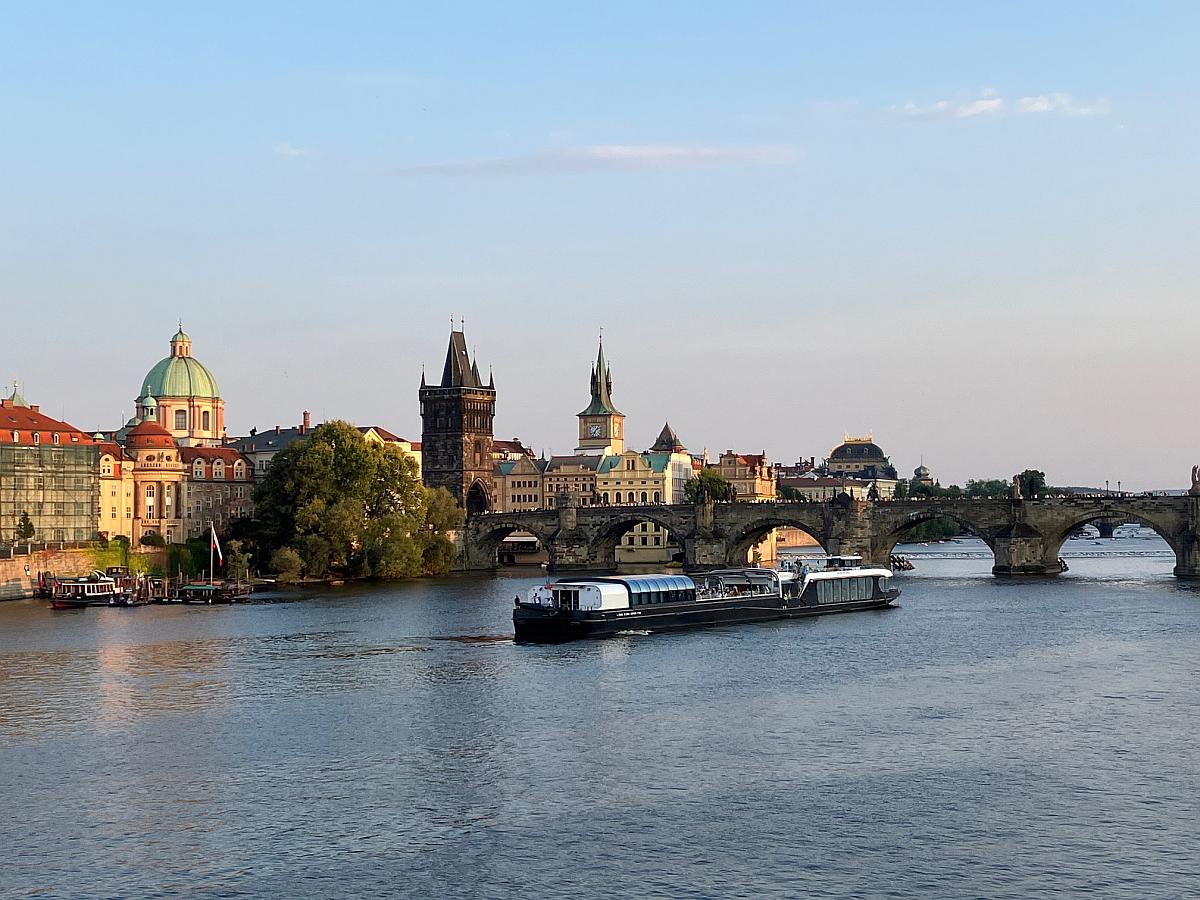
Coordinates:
544 625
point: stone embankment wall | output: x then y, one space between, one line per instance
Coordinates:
18 576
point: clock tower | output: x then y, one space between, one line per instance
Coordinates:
601 425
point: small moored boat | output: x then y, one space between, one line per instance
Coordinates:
96 589
599 607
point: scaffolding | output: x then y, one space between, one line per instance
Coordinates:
59 488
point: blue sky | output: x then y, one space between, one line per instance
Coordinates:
972 230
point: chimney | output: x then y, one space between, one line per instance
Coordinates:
277 429
307 422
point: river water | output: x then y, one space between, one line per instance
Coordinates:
987 739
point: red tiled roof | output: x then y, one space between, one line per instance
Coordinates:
191 454
25 420
148 434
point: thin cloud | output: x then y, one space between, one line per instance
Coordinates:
1063 105
613 157
990 105
291 151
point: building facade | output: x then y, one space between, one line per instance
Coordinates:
115 507
457 419
751 475
217 489
49 471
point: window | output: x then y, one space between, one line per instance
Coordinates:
54 437
645 540
657 497
198 469
218 469
180 419
16 436
644 497
204 420
37 437
657 541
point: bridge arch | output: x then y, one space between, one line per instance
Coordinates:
886 540
1165 526
608 536
751 533
485 533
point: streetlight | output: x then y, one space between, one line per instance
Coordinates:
1106 486
1118 487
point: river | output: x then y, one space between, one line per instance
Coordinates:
988 738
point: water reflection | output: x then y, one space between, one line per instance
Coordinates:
1018 737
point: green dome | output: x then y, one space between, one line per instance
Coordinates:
181 335
181 376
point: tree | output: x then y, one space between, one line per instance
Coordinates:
25 529
153 539
286 564
987 487
343 504
1032 483
710 482
237 561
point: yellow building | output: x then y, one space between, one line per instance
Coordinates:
159 483
115 509
519 484
751 475
374 434
570 479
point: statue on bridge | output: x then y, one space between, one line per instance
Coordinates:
1194 491
1016 487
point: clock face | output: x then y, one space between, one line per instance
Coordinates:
595 430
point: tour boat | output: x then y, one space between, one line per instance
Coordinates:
96 589
600 607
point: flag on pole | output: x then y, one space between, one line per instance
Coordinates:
216 545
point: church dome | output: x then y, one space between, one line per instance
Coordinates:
181 375
921 472
856 450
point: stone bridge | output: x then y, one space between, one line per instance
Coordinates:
1025 536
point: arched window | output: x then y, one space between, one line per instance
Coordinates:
54 437
198 469
631 497
149 492
218 469
645 498
239 470
16 436
37 437
204 420
180 419
657 497
606 496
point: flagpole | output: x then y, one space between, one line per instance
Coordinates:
212 539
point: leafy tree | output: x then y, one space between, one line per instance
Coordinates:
1032 483
343 504
237 561
987 487
25 529
153 539
711 482
286 564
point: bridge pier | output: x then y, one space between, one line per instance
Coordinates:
1187 546
1025 555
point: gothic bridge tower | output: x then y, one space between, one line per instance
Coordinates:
456 430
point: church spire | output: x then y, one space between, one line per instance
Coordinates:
601 387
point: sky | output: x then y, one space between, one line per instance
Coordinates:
969 229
